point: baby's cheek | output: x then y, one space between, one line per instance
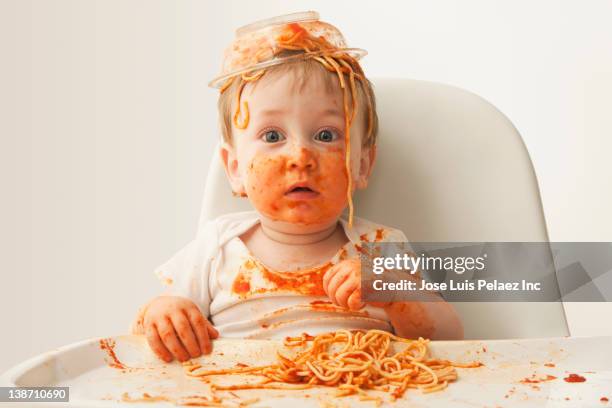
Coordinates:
332 179
265 183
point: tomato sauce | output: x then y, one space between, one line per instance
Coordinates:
574 378
108 345
534 380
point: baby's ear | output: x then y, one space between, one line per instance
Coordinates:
366 164
230 164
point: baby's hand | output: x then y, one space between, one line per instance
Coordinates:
175 327
342 284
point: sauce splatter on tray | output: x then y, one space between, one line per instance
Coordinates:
574 378
108 345
535 380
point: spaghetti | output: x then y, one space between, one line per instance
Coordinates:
351 361
295 39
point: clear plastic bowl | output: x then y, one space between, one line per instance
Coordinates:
257 45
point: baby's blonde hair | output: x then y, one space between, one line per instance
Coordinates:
303 72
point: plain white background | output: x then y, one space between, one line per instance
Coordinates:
107 126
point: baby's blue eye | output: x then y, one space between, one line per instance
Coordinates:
326 136
272 136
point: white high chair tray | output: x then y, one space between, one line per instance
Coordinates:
506 379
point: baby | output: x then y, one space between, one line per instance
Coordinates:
299 137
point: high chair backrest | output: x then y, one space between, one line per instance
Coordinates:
450 168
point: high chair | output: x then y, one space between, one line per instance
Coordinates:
450 168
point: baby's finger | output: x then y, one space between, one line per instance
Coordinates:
156 343
199 324
183 328
354 301
335 283
171 341
213 333
328 276
345 290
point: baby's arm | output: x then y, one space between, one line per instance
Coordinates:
175 323
429 317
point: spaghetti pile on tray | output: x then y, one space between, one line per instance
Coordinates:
350 361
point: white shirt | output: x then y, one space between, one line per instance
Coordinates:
244 298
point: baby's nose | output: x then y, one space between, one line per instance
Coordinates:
302 159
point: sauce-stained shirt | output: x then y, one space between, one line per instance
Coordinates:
244 298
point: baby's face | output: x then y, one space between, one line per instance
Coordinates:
290 160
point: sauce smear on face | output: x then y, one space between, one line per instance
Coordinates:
271 180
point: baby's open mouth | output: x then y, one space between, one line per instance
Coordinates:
301 192
300 189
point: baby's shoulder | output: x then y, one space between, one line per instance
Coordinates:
369 231
227 226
